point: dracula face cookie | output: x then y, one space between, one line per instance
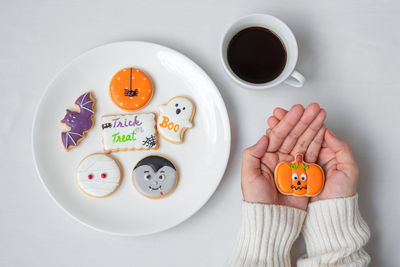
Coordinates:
131 89
78 122
155 176
174 118
98 175
129 132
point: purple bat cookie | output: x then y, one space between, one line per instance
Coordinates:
78 122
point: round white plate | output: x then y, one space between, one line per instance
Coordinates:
201 159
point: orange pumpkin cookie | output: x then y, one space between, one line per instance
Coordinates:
131 89
299 178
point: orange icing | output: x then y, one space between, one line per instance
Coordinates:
288 178
131 89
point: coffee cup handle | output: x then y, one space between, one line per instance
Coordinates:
296 79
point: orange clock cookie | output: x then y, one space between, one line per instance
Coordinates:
131 89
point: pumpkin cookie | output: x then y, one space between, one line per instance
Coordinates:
131 89
299 178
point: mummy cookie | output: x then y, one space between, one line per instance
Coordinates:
98 175
155 176
129 132
174 118
78 122
131 89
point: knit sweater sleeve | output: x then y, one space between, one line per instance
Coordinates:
335 234
267 235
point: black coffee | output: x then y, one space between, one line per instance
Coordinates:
256 55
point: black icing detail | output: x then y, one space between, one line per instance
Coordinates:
150 141
131 93
298 187
155 162
178 110
106 125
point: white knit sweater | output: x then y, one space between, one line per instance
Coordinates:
333 230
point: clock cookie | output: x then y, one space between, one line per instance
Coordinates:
155 176
174 118
98 175
131 89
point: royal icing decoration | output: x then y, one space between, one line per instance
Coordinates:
299 178
78 122
174 118
130 89
98 175
155 176
129 132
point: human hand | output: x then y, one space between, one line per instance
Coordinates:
337 161
297 131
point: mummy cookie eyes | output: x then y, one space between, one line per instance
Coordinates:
90 176
103 175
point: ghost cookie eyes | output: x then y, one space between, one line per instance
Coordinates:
98 175
175 118
155 177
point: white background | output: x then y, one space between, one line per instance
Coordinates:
348 50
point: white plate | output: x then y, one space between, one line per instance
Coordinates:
201 159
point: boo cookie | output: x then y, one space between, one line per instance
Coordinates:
131 89
155 176
78 122
98 175
175 117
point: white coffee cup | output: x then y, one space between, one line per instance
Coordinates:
289 75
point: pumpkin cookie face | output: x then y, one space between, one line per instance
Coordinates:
131 89
299 178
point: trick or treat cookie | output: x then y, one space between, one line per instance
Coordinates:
299 178
131 89
98 175
79 122
174 118
129 132
155 176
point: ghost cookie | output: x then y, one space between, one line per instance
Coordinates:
131 89
155 177
174 118
129 132
98 175
78 122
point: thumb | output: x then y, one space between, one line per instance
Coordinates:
251 161
341 149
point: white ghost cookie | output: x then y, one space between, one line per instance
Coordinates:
174 118
98 175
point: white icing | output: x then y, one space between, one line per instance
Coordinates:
143 126
170 124
96 165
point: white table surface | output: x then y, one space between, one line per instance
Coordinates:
348 50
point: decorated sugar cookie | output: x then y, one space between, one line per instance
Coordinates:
131 89
174 118
98 175
155 176
129 132
79 122
299 178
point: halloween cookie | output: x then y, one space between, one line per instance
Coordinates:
299 178
79 122
98 175
174 118
129 132
155 176
131 89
